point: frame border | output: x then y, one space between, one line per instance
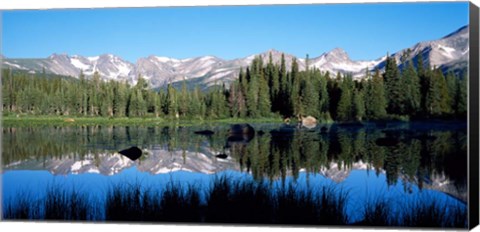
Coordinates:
473 158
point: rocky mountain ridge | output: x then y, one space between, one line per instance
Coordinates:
448 52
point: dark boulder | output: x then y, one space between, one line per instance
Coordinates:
241 129
204 132
240 133
222 156
132 153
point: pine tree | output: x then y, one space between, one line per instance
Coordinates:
83 93
284 95
252 96
196 101
394 87
137 105
424 74
272 73
358 105
264 104
172 104
375 99
295 94
444 93
309 95
157 106
106 104
411 90
233 96
334 93
120 99
183 103
344 109
461 97
437 99
323 98
94 99
218 104
451 82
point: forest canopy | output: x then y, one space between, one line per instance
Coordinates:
416 91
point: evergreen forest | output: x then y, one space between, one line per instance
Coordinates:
414 91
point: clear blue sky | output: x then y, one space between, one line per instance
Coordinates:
365 31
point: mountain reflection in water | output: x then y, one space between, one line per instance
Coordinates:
398 159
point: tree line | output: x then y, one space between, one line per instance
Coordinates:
261 91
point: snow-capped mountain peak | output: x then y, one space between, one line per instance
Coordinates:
163 59
337 54
446 52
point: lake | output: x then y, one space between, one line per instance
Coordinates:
389 170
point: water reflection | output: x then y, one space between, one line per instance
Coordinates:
422 155
410 157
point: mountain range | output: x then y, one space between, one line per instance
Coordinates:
204 162
448 53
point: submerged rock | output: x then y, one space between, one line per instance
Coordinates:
240 133
204 132
132 153
241 129
222 156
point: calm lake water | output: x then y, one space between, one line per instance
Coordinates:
394 161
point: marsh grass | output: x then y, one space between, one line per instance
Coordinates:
258 202
308 206
132 202
129 202
24 207
418 212
229 200
378 213
425 212
244 201
180 203
58 204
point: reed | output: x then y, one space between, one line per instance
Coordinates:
229 200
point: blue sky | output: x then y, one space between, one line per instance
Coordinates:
365 31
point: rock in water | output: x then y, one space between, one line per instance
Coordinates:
309 122
241 129
132 153
222 156
240 133
204 132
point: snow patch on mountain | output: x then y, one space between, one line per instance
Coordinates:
163 59
447 50
160 71
14 65
78 64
